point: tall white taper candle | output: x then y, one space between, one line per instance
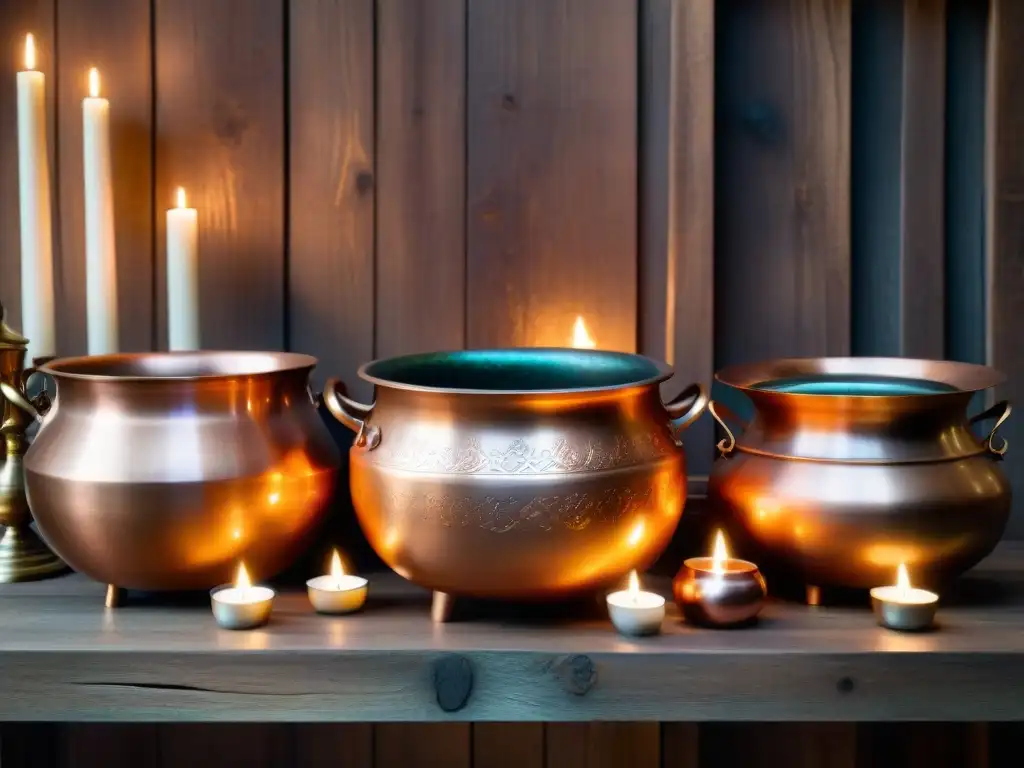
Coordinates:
37 305
100 253
182 277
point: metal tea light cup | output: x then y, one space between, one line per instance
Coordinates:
728 596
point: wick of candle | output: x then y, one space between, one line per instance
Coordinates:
242 582
337 570
720 554
634 588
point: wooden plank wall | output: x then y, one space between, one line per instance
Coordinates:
705 181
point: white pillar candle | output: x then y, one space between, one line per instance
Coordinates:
100 254
37 306
182 277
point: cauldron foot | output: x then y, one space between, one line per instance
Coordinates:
115 596
813 595
442 607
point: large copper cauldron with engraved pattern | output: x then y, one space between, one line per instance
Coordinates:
517 473
162 470
852 466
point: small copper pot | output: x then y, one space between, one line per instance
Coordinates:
162 471
517 473
852 466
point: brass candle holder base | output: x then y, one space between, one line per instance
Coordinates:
23 555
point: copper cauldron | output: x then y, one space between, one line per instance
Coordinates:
852 466
517 473
162 471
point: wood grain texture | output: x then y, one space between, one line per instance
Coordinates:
201 745
337 745
109 746
114 37
603 745
422 745
421 114
62 660
331 185
1006 223
220 134
677 200
18 18
782 232
899 86
508 745
552 171
762 745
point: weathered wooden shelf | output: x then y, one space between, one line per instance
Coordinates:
64 657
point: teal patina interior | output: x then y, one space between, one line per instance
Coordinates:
533 370
855 385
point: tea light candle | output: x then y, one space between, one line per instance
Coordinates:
636 613
337 592
241 606
902 607
719 591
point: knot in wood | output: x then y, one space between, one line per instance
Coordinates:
578 674
453 682
364 182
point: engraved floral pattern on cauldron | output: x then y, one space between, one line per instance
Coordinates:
522 458
501 514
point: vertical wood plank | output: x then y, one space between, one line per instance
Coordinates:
18 18
114 37
220 133
677 199
898 197
104 745
422 745
680 745
782 232
421 112
29 745
508 745
967 40
767 745
1006 224
552 171
342 745
214 745
603 745
331 191
918 745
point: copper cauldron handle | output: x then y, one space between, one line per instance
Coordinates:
686 407
352 414
36 407
1000 412
728 443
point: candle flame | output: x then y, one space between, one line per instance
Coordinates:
902 578
580 337
634 586
94 83
181 197
720 553
30 52
242 580
337 569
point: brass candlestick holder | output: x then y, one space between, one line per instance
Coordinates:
23 555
